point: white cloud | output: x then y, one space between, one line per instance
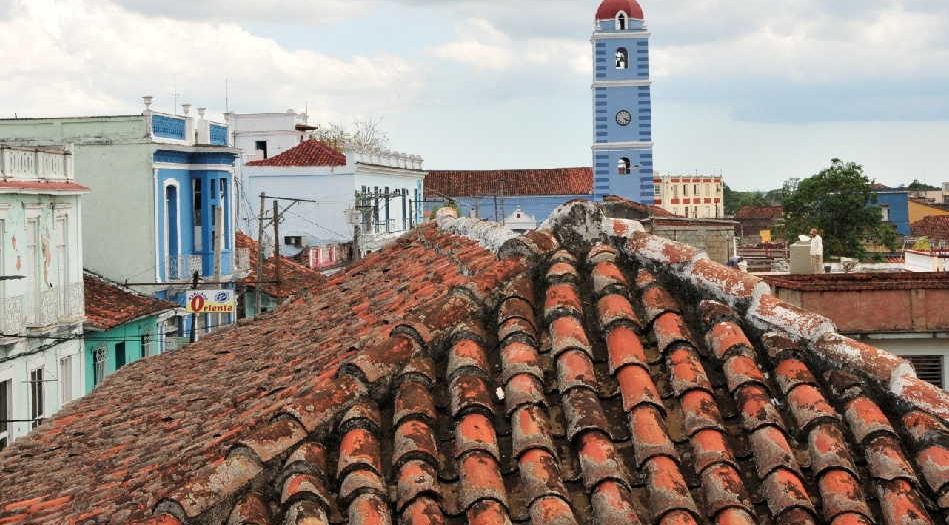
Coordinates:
93 56
481 44
308 12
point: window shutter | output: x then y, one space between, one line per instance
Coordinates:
928 368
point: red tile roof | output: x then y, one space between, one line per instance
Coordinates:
308 153
435 382
109 305
559 181
42 186
621 207
760 212
611 8
935 227
294 277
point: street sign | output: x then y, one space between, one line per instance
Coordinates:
211 301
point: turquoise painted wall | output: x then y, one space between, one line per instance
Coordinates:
129 333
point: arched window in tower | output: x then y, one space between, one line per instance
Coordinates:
623 167
622 58
621 22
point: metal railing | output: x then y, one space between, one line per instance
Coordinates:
182 267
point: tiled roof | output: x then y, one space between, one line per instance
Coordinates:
586 373
935 227
625 208
559 181
308 153
109 305
760 212
294 277
862 281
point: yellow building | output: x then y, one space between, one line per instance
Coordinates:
694 196
919 210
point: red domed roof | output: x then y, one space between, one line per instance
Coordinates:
610 8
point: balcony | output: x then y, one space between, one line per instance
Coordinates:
182 267
38 164
11 315
53 305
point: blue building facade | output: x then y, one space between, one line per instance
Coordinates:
622 103
895 206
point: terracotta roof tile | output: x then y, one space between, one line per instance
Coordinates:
307 153
109 304
294 277
531 395
558 181
935 227
759 212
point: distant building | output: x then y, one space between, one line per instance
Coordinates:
919 209
164 197
378 192
260 136
41 294
757 223
495 194
908 316
894 204
122 326
938 196
293 279
691 196
936 227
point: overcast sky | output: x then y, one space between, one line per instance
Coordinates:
761 90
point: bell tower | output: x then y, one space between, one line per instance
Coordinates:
622 103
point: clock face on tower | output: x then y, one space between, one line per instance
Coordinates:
623 118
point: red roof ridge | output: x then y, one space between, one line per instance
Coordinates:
511 182
310 152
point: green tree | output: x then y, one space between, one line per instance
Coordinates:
839 202
920 186
736 200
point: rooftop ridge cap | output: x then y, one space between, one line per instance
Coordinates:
759 308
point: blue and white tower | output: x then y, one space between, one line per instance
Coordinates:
622 103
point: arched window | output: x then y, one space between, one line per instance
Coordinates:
621 22
622 58
623 167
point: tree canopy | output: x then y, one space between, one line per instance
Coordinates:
916 185
840 203
736 200
364 135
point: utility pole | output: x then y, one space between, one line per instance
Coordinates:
276 240
194 316
260 249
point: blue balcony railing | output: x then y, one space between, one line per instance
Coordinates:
218 135
168 127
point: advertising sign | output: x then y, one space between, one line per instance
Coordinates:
211 301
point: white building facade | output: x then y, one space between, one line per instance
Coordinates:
367 196
41 291
693 196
